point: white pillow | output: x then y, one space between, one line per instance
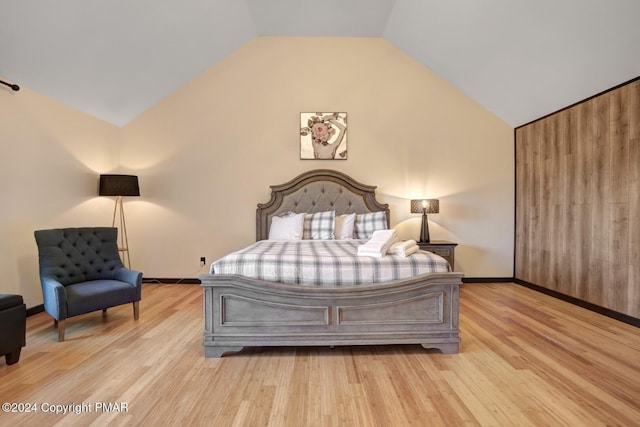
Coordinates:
343 229
286 228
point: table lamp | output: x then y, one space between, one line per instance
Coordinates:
425 206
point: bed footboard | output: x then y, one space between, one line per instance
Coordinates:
240 312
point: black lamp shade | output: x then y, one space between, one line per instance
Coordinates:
119 185
425 206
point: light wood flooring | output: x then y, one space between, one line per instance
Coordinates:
526 359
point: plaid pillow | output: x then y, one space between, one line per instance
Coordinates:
367 223
319 226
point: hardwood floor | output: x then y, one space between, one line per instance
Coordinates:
526 359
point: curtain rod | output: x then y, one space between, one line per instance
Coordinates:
12 86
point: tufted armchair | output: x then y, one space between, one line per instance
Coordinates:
81 272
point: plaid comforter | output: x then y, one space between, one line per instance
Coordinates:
323 263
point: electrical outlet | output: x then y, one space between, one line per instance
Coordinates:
203 261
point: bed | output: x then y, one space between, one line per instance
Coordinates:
240 311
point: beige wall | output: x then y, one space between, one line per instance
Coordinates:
51 158
208 153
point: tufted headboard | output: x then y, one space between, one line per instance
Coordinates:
317 191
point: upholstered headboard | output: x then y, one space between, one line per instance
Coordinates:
317 191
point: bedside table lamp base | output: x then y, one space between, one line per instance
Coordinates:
424 230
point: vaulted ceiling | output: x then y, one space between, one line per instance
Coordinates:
519 59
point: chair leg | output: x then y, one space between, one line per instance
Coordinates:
136 310
61 323
13 357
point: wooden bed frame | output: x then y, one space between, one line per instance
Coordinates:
240 311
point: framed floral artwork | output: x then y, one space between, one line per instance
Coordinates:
323 136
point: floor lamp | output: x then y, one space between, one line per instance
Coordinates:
119 186
425 206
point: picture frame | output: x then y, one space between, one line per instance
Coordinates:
323 136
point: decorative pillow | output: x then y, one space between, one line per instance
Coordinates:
344 226
319 226
286 228
366 224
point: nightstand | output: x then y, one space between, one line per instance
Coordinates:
443 248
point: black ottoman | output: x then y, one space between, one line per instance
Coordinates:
13 327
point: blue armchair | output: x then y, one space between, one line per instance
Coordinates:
81 272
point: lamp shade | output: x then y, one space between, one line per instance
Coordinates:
425 206
119 185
